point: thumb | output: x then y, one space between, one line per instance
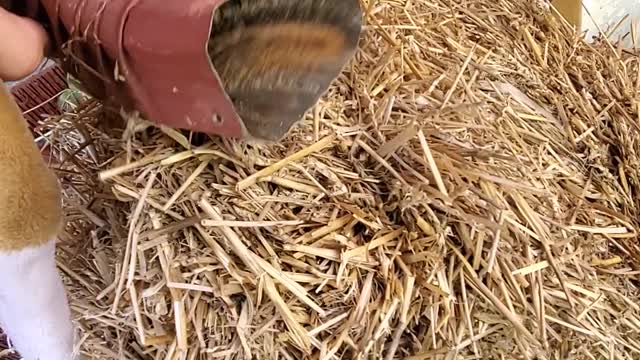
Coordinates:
22 46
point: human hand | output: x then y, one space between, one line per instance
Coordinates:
22 46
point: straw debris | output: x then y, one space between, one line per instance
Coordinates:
468 188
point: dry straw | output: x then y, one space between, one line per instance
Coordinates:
467 189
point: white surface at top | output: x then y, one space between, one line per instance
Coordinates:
607 13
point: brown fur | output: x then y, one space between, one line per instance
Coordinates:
30 198
277 57
571 10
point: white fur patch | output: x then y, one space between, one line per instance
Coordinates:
34 311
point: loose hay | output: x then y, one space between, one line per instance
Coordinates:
467 189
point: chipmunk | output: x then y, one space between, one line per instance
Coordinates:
277 57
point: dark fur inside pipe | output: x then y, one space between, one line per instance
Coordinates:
277 57
274 58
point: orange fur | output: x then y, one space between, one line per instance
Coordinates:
30 197
571 10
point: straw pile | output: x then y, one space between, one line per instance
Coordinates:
467 189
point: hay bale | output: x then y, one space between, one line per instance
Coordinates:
467 189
